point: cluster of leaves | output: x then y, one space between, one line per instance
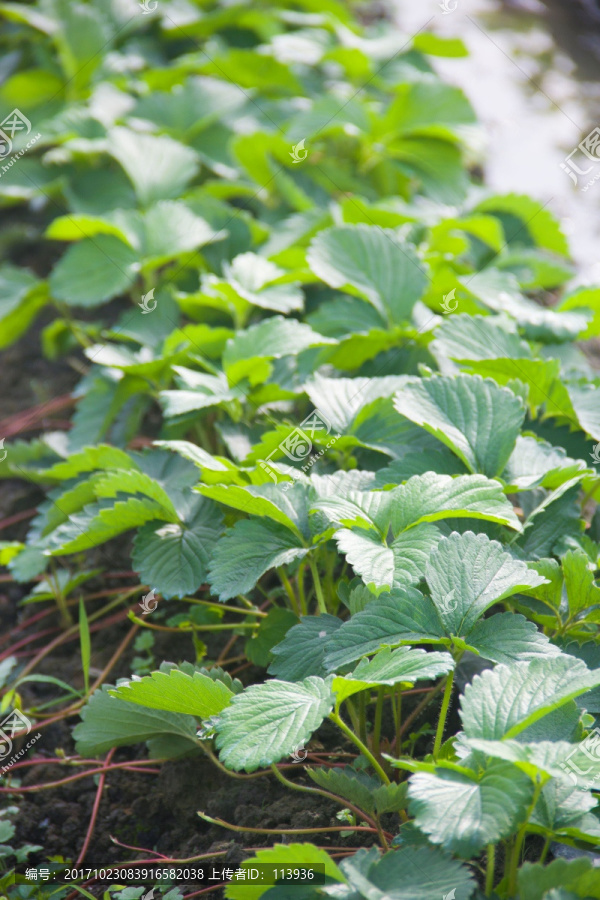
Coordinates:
452 495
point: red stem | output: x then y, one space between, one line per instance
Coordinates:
95 808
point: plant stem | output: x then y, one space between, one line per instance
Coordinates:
301 594
334 717
362 712
288 589
397 710
518 844
545 849
377 724
443 713
345 803
489 871
318 588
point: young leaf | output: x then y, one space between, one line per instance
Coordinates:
268 721
175 691
285 856
108 722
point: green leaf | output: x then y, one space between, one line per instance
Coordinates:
132 481
175 691
99 522
174 558
508 637
504 702
526 222
287 856
395 618
249 550
409 665
101 456
271 339
94 270
301 651
21 297
108 722
464 813
477 573
172 164
474 417
582 591
271 632
431 497
564 761
373 262
265 500
352 785
464 337
407 873
579 875
383 567
268 721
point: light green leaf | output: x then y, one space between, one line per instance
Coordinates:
271 339
195 695
464 814
431 497
391 666
373 262
476 418
256 500
108 722
288 856
382 567
94 270
167 165
268 721
477 572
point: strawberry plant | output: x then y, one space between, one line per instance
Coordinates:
337 413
